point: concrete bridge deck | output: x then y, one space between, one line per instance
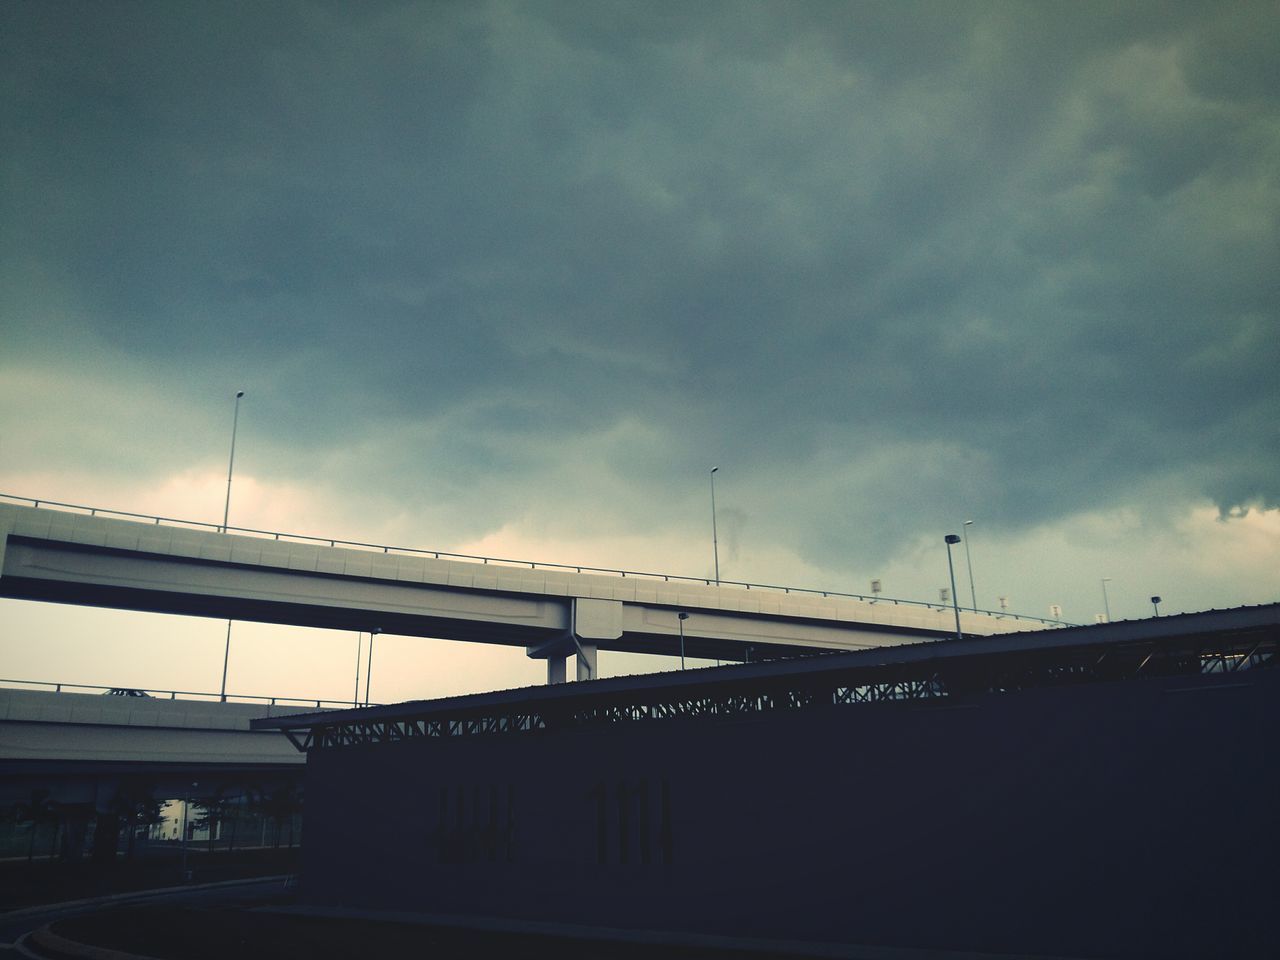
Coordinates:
78 745
61 556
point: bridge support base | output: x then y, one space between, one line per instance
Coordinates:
583 652
586 660
590 621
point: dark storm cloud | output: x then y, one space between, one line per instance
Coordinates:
892 262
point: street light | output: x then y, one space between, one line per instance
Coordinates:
682 618
235 422
950 539
226 512
968 565
1155 602
226 656
186 803
1106 604
715 542
368 672
355 694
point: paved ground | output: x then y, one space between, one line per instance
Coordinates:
250 920
25 884
16 924
215 932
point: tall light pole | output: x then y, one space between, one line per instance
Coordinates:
226 512
682 617
186 803
368 671
968 565
950 539
226 657
355 694
1106 605
231 462
715 542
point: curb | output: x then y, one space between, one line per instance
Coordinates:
658 939
46 939
115 898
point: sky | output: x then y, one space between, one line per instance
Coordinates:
511 278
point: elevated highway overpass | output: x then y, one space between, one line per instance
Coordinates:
553 611
84 749
92 757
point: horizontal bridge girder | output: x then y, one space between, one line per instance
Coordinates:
70 742
101 561
95 577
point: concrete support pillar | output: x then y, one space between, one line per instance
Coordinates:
590 621
106 837
106 827
586 659
77 825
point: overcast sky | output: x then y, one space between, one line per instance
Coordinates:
512 278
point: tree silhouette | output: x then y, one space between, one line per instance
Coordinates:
38 811
279 804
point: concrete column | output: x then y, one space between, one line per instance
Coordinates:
76 826
106 837
106 827
556 670
586 661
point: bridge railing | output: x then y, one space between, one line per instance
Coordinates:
149 693
508 562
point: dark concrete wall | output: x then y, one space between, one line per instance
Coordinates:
1127 819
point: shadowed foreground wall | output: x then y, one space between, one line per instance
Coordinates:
1113 819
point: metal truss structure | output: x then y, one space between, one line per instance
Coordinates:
918 673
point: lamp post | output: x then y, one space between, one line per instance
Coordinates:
368 671
968 565
682 617
226 657
715 542
226 512
950 539
1106 605
231 462
1155 603
186 803
355 694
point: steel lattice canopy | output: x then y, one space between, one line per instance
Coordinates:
1214 641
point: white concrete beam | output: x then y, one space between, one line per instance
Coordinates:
104 561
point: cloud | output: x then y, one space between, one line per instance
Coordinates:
524 272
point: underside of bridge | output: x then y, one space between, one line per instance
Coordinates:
83 769
96 561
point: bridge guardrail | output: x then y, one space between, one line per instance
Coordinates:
507 562
148 693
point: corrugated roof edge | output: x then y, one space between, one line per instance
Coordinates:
1183 624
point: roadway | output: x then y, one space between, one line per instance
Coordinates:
552 611
76 732
95 754
17 925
